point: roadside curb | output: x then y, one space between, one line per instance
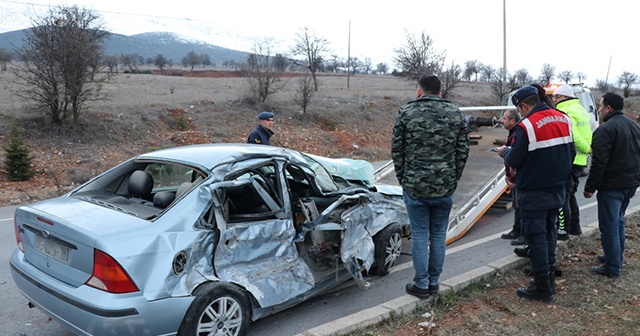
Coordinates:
408 303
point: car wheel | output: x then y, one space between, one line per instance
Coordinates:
218 309
388 246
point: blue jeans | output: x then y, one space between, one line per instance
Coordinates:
612 205
429 218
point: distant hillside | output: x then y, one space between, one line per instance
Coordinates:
170 45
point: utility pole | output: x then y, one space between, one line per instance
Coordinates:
504 42
349 55
606 79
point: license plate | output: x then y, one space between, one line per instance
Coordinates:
52 249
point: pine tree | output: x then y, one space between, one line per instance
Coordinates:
17 161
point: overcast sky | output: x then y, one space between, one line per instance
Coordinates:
580 36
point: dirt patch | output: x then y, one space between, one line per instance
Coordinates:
586 304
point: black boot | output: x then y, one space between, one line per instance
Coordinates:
552 278
540 290
522 252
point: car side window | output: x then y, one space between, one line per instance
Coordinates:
255 195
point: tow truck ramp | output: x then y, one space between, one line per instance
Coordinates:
482 181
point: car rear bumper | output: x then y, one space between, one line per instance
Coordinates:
88 311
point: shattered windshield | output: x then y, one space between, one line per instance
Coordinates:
323 178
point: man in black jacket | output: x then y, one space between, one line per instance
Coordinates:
615 174
262 133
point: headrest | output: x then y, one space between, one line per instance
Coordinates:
163 199
140 183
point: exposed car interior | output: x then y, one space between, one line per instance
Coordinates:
144 190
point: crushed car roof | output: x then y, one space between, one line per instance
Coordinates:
211 155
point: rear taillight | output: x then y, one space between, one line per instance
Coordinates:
18 239
109 276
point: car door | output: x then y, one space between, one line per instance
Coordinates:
256 247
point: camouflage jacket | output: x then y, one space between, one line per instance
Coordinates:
430 147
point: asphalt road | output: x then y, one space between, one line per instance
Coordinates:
480 246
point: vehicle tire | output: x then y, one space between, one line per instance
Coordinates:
388 246
218 309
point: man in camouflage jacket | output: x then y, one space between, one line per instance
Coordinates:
430 147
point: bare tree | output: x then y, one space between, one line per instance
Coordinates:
161 62
263 76
547 73
191 60
128 61
111 62
499 88
450 77
367 65
603 86
304 92
626 80
566 76
5 57
205 60
487 73
381 68
355 64
418 57
472 67
61 52
581 76
334 63
521 77
312 48
280 62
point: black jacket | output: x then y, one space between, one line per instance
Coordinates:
542 156
615 162
260 135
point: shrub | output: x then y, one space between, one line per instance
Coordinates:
18 161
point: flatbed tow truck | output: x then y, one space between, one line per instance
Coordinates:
482 182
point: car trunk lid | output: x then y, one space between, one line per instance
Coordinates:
59 236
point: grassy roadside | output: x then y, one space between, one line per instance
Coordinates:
586 304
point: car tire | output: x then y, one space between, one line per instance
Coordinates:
388 247
217 309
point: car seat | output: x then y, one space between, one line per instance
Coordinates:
140 186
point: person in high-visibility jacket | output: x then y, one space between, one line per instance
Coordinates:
566 101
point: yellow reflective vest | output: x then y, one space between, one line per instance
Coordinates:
581 128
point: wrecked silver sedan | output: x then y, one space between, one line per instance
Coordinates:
204 239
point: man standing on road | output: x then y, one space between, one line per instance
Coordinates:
509 120
615 174
262 133
567 102
542 156
430 147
